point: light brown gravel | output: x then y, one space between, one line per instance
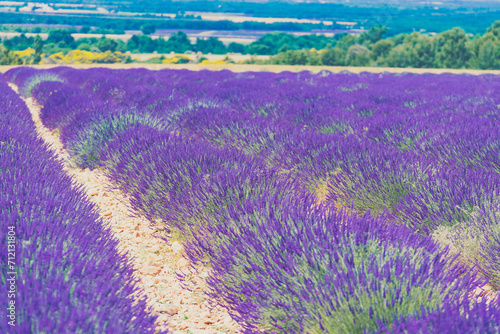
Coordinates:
155 262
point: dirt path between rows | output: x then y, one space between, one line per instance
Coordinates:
237 68
155 261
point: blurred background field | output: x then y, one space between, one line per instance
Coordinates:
406 34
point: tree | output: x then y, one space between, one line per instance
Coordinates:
485 50
85 30
373 35
358 55
278 42
494 29
421 50
179 42
452 50
296 57
258 49
106 44
210 45
284 48
61 36
398 39
346 42
148 28
489 56
381 48
333 57
147 44
8 57
37 46
313 58
236 48
133 44
397 57
19 43
84 46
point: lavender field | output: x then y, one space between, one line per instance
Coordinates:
322 203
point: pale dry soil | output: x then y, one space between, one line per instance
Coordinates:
155 261
261 68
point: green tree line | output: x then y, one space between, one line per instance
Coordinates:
61 40
450 49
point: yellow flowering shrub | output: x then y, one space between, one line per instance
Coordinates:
177 59
25 53
213 62
85 57
172 60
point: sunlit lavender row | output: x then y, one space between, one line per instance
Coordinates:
327 203
63 272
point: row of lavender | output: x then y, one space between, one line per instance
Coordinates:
61 271
257 170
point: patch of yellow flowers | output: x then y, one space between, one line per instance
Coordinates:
85 57
176 59
108 57
213 62
25 53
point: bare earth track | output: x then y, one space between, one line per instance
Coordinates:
155 261
264 68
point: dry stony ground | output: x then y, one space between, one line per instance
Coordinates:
262 68
155 261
